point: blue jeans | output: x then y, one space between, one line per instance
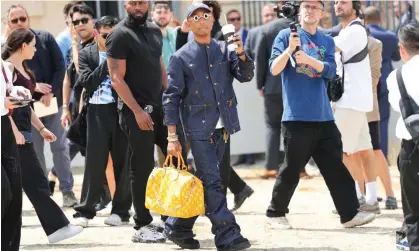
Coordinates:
207 156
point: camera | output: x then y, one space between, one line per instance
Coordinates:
289 10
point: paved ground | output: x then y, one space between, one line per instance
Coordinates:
315 227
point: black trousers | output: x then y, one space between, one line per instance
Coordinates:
229 177
141 160
104 135
322 141
273 118
36 187
11 221
408 163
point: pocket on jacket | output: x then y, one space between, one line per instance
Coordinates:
195 117
231 108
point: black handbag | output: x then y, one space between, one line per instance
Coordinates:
77 131
409 109
336 86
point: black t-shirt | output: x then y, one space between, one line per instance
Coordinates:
141 47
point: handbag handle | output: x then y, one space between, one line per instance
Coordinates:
180 164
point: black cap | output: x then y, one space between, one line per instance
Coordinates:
194 7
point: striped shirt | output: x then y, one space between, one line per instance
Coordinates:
103 94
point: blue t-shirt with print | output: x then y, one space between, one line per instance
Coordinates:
303 88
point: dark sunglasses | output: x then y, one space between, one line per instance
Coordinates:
16 20
84 20
105 35
234 19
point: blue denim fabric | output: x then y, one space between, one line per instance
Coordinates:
207 155
200 88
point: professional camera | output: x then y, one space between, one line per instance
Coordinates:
289 10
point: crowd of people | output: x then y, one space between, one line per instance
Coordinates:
112 89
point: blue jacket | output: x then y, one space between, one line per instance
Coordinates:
390 52
48 64
200 88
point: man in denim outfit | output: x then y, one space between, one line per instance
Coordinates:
200 77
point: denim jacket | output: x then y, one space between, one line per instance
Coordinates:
200 88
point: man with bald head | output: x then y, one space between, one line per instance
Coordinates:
137 72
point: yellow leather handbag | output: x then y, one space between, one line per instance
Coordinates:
174 191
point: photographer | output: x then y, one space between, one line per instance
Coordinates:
308 124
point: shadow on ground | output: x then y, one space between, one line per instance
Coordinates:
67 246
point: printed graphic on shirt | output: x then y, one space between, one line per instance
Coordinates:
316 52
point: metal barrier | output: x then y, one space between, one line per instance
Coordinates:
252 12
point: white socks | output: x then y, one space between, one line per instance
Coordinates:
358 190
371 193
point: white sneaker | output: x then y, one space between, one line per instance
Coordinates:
403 245
81 221
361 218
148 234
106 211
115 220
278 223
64 233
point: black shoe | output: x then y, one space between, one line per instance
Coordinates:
188 243
240 161
240 198
379 199
238 244
51 187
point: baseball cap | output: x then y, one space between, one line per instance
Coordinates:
194 7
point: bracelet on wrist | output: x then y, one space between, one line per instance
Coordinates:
42 128
172 138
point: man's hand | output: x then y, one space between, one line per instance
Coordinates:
43 88
261 94
12 104
174 148
46 99
185 28
238 41
294 42
65 117
302 58
47 135
144 121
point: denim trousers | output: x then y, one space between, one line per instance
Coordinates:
207 156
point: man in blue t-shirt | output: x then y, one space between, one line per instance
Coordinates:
308 124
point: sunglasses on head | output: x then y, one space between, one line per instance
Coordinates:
234 19
84 20
16 20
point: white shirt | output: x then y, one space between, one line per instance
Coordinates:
3 87
410 79
358 83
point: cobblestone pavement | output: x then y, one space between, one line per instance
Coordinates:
314 225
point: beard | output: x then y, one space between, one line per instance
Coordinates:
161 25
137 21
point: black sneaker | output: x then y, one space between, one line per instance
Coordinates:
189 243
241 197
240 243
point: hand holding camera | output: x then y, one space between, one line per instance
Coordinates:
294 42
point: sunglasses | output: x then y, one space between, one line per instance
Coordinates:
16 20
104 35
234 19
84 20
206 16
